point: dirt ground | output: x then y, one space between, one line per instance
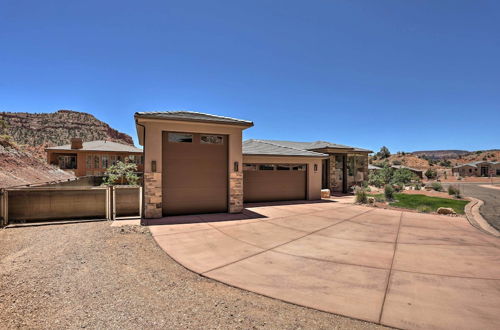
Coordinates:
91 275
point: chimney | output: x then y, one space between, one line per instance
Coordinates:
76 143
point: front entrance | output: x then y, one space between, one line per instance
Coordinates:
484 170
195 173
274 182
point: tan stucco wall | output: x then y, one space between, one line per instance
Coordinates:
152 142
313 177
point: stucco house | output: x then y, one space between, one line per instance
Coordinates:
93 157
198 163
480 168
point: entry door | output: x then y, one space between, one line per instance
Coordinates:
484 171
195 173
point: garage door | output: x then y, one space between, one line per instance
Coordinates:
274 182
195 173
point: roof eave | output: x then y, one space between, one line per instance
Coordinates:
242 123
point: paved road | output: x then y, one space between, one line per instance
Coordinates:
491 197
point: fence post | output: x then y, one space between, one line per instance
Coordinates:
114 202
140 202
4 208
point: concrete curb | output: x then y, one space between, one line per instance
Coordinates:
476 219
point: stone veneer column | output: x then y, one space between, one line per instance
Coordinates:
235 192
152 196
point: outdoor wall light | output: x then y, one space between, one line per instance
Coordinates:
315 167
236 166
153 166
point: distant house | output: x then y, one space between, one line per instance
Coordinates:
480 168
94 157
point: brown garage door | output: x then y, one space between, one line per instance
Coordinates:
195 176
274 182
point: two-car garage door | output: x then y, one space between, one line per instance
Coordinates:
274 182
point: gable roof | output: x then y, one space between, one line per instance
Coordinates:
474 164
99 145
263 147
314 145
192 116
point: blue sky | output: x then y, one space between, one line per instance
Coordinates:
412 75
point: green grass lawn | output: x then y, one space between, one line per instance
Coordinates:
422 202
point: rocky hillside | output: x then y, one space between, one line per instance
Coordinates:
24 136
52 129
20 167
438 159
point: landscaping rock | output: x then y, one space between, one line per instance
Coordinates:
371 200
446 211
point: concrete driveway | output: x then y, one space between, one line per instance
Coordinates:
401 269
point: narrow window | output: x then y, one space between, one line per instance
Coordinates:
249 167
180 137
89 161
266 167
105 161
96 161
212 139
283 167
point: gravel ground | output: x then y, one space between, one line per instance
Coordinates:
91 275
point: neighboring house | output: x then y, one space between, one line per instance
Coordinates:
372 168
197 163
480 168
92 158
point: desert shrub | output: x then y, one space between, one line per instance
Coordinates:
424 209
121 174
454 191
389 192
380 198
398 186
361 195
437 186
403 176
430 174
375 179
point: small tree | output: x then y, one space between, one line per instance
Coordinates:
121 174
389 193
384 153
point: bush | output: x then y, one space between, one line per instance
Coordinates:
398 186
361 196
430 174
454 191
418 186
424 209
121 174
437 186
389 193
403 176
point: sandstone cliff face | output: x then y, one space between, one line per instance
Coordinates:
24 136
52 129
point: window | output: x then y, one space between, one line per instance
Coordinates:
212 139
299 167
96 161
140 160
266 167
249 167
119 159
283 167
67 162
113 160
89 161
105 161
131 159
180 137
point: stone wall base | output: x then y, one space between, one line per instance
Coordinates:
235 192
152 196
